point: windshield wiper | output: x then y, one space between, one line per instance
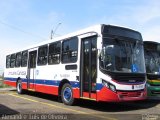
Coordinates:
124 48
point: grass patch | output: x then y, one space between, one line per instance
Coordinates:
3 85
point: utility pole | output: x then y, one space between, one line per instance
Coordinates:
54 31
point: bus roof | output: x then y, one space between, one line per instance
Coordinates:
151 42
95 28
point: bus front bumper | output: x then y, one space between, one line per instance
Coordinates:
107 95
153 90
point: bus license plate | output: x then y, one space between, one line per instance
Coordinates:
138 86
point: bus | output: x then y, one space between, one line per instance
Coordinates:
100 63
152 61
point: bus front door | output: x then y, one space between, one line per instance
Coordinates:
88 67
31 69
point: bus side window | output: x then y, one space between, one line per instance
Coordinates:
70 50
54 53
42 55
12 62
18 59
24 58
8 61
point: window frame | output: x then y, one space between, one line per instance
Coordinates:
38 60
62 52
13 61
19 64
24 59
8 65
55 52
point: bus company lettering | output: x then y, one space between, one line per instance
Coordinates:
64 75
17 73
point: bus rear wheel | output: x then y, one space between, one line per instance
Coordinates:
67 94
19 87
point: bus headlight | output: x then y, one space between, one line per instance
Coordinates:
109 85
112 87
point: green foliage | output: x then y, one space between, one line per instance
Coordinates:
3 85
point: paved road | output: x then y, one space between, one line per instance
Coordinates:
41 106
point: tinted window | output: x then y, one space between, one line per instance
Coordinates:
70 50
122 56
18 59
32 59
42 55
12 62
8 61
119 31
24 58
54 53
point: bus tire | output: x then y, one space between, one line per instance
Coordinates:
19 87
67 94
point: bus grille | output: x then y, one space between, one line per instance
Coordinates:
129 78
154 84
153 77
130 94
155 92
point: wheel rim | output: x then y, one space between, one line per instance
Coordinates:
19 87
67 94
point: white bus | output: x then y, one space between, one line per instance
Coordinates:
101 63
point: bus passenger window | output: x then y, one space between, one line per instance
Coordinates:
12 62
8 61
18 59
24 58
42 55
70 50
54 53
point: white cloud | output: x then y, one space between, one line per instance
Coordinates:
144 18
147 12
20 14
148 17
152 34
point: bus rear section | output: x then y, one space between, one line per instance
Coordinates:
152 62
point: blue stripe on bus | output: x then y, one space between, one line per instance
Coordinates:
53 82
10 79
99 86
44 82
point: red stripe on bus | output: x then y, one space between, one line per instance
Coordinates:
10 83
76 93
86 94
24 85
47 89
107 95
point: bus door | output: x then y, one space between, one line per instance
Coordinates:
88 67
31 74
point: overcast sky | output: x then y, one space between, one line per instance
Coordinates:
27 22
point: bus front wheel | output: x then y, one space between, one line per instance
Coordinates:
67 94
19 87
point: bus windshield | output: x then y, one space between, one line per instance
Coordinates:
152 60
121 55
